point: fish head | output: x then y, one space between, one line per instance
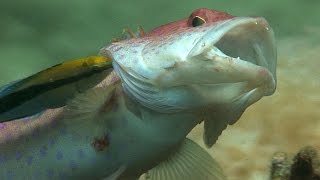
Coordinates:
208 59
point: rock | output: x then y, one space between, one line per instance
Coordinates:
305 165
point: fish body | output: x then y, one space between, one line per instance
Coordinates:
55 145
209 67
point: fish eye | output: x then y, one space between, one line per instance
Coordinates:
197 21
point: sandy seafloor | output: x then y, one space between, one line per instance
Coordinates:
35 35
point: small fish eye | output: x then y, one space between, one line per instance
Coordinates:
197 21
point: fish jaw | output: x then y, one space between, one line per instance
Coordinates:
243 49
217 63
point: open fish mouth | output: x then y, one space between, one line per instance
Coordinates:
241 49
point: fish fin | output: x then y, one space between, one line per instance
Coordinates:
212 130
86 107
219 119
116 174
241 105
218 122
141 31
189 162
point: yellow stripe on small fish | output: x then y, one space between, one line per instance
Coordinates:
52 87
68 69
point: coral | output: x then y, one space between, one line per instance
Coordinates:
280 166
305 165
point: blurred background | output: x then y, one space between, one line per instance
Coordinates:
38 34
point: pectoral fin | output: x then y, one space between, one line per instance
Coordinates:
212 130
189 162
88 109
218 119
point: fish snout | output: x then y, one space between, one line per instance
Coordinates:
241 49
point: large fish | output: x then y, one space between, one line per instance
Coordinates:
208 67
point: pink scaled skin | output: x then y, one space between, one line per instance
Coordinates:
208 15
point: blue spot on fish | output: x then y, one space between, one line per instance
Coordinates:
18 155
43 151
73 165
3 159
51 141
50 173
59 155
10 175
29 160
81 154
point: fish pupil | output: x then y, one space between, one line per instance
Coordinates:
197 21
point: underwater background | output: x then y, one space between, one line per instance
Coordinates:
38 34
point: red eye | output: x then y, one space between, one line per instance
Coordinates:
197 21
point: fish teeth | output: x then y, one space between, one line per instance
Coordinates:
214 52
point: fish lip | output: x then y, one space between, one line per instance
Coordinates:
227 35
